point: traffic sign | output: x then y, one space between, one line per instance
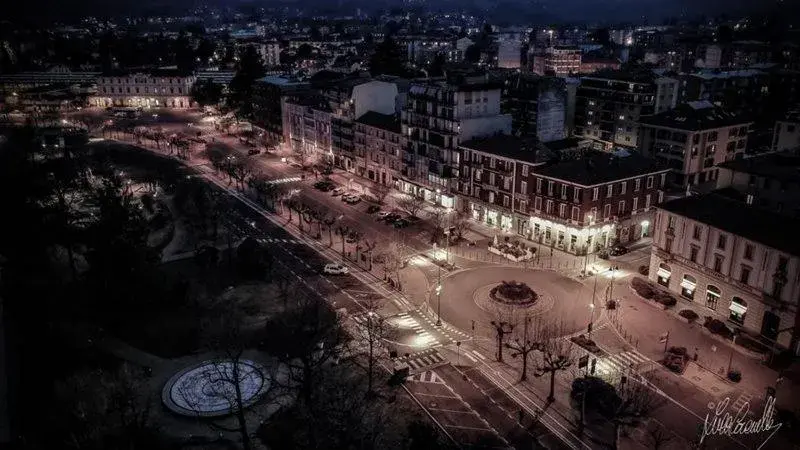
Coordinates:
583 361
664 337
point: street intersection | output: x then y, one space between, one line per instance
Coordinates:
454 362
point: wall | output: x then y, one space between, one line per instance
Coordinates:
378 96
484 126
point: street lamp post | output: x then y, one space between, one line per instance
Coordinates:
439 304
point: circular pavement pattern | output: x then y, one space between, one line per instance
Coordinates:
482 298
207 389
465 297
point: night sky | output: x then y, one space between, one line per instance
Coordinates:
525 10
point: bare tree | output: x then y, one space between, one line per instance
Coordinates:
657 435
380 192
370 333
503 323
459 224
369 247
636 400
411 204
224 335
329 221
526 342
105 409
306 337
241 169
343 231
554 352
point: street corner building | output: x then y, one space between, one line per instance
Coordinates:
733 253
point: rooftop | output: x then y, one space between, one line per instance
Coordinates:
722 212
695 116
566 144
280 81
626 75
716 74
386 122
508 146
600 167
784 166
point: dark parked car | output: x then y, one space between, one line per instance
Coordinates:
324 185
618 250
372 209
390 218
400 223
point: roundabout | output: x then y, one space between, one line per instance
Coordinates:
208 389
472 298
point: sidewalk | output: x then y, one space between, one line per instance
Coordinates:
713 357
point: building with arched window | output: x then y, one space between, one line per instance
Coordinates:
737 263
154 89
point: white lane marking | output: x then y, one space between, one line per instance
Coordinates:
470 357
478 355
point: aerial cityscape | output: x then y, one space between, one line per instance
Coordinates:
400 224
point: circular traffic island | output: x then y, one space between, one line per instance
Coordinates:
209 389
514 293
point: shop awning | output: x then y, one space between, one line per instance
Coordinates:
737 308
664 273
688 285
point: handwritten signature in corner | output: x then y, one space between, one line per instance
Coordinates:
723 423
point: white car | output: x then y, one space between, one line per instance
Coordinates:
335 269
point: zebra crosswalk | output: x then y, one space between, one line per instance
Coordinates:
424 338
424 360
743 399
619 363
426 377
284 180
279 241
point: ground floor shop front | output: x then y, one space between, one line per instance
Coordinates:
563 235
738 305
141 102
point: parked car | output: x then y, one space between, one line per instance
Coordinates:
335 269
253 151
350 239
372 209
337 191
390 217
324 185
618 250
353 199
412 219
400 223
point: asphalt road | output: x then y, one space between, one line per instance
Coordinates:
464 297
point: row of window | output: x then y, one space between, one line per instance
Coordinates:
607 191
146 90
621 210
737 309
126 80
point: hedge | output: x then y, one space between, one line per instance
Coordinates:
688 314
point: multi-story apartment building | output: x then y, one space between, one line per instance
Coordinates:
770 181
786 134
692 139
154 89
735 263
579 206
537 106
439 114
379 146
269 95
736 90
326 115
559 60
609 105
307 127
